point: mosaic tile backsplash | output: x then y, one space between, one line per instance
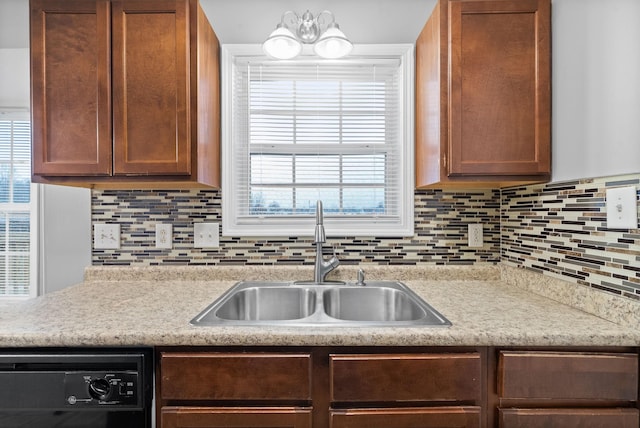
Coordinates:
560 230
556 229
440 236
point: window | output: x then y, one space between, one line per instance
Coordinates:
307 129
17 213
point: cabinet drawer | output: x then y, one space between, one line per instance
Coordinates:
230 376
569 418
248 417
440 417
405 377
568 375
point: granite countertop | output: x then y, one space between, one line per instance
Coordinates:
129 306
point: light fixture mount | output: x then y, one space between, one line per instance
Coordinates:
322 30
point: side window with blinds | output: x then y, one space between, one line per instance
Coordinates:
308 129
16 210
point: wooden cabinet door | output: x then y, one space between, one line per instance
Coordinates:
500 95
569 418
151 87
70 87
436 417
227 417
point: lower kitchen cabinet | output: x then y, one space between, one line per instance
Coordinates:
321 387
397 387
538 389
245 417
422 380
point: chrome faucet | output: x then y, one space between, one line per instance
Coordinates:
322 267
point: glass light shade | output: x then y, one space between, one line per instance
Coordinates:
333 43
282 44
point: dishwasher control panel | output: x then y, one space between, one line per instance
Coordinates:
95 388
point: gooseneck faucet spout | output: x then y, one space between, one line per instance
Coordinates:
322 267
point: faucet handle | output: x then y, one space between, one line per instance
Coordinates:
360 281
335 261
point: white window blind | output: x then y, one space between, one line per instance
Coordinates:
16 209
308 130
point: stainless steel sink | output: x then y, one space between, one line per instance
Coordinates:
262 303
371 304
268 303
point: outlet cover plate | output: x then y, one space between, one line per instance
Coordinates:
476 240
106 236
164 236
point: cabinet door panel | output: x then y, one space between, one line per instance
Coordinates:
436 417
229 376
569 418
500 87
568 376
240 417
70 86
411 377
151 87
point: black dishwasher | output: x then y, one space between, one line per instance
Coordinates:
76 388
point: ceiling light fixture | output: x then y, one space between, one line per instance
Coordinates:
330 41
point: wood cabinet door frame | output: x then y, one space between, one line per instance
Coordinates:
151 87
499 108
71 87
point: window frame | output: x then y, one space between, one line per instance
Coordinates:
34 217
335 225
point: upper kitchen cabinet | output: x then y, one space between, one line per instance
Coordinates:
124 92
483 94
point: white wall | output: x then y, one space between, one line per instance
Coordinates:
14 24
596 88
65 236
14 78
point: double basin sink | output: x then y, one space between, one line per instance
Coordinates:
267 303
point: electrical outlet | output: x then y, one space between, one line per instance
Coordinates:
164 236
205 235
622 208
475 235
106 236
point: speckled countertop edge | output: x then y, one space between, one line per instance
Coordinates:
108 310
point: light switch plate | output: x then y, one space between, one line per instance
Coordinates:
205 235
164 236
106 236
622 208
